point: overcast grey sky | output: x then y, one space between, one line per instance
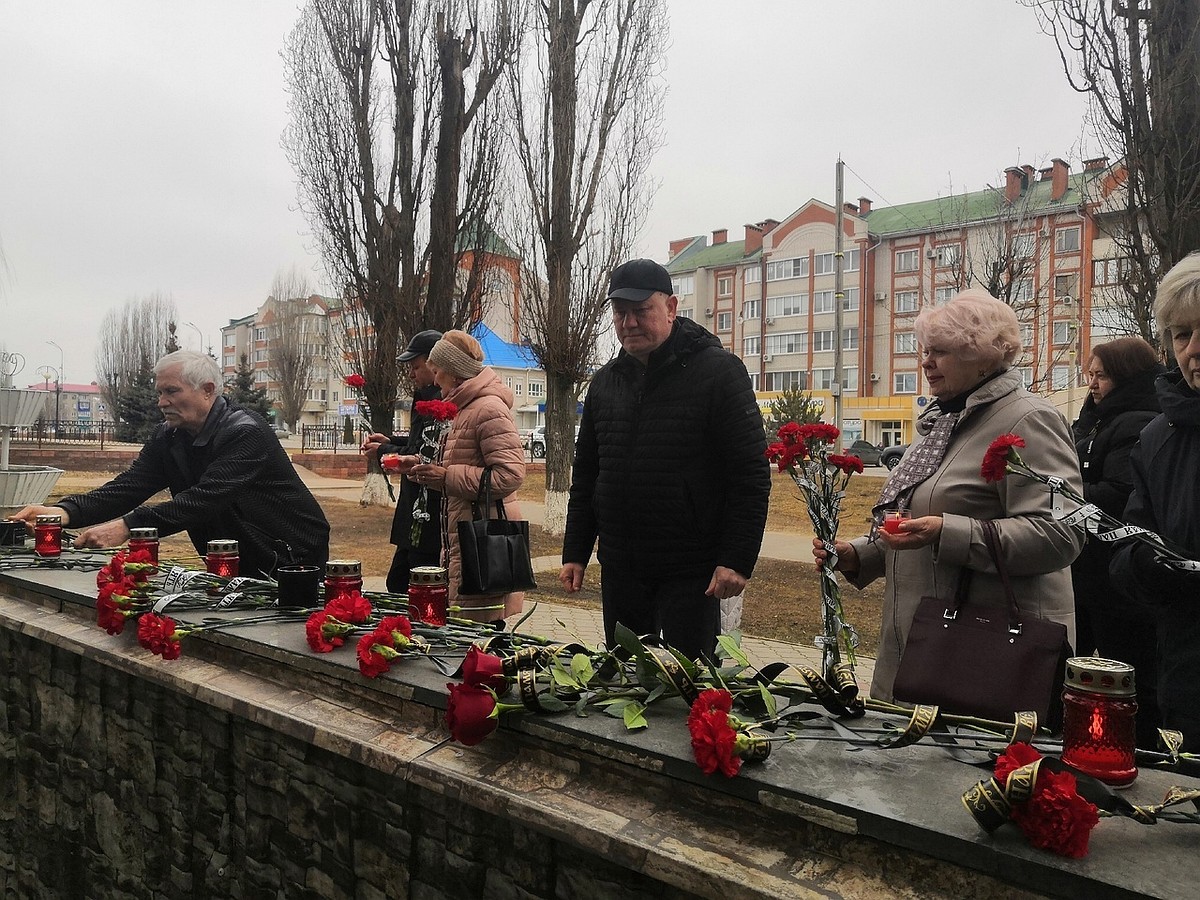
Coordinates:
140 139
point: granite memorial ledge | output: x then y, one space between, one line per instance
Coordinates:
252 767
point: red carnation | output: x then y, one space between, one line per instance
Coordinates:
351 607
995 460
848 464
713 743
484 670
325 633
710 699
375 653
1017 755
113 570
109 616
1055 818
438 410
355 380
157 634
396 624
785 455
789 433
469 713
818 432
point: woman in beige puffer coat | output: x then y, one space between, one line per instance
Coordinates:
483 434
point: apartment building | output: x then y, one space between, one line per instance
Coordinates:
1038 241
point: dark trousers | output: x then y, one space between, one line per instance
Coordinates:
404 561
678 609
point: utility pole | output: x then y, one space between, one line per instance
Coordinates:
838 295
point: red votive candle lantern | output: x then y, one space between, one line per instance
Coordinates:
342 577
428 594
47 536
892 519
222 558
1099 705
144 539
390 462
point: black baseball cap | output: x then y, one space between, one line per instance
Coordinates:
420 345
637 279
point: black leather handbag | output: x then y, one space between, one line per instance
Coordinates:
494 552
989 661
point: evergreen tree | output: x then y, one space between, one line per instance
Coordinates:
240 389
137 406
792 405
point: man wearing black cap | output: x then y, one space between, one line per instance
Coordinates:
670 472
427 551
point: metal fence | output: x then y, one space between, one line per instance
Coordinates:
329 437
47 433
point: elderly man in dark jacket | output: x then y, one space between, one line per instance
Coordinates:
227 474
670 471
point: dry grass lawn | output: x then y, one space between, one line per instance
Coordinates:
782 601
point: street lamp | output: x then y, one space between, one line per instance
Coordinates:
199 334
58 383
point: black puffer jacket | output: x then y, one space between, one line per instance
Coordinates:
670 470
1105 433
1166 500
233 480
431 531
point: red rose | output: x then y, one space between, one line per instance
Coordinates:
371 662
995 460
355 380
484 670
469 713
351 607
847 464
713 743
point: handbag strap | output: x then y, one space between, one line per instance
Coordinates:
992 538
483 497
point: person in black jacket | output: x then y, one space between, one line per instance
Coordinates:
670 472
227 474
1121 402
427 550
1166 500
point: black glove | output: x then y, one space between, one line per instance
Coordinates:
1160 581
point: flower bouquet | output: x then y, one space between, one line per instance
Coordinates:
442 412
803 452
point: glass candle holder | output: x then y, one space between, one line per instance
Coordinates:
892 519
299 586
342 577
1099 706
390 462
144 539
222 558
47 536
428 595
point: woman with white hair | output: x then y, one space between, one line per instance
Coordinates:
1166 500
968 346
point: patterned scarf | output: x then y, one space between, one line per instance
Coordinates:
919 462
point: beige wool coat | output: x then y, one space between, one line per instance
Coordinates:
1037 548
483 434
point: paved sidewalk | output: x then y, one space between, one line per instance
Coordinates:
563 622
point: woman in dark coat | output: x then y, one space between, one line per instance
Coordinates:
1121 402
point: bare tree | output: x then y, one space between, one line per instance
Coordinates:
587 110
131 338
1138 61
369 81
295 340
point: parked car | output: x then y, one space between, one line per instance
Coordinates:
866 451
281 433
537 441
890 457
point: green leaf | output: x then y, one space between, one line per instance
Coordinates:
616 709
731 649
768 700
564 678
581 666
629 640
550 703
635 717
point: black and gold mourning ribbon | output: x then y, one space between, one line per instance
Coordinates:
840 698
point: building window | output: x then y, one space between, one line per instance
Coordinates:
229 360
260 356
1026 373
787 268
787 305
850 378
782 381
943 294
850 338
754 382
260 334
751 346
1026 335
823 264
907 260
724 321
1066 240
725 286
850 261
537 389
1060 377
948 255
750 309
822 379
904 383
753 275
1062 333
906 301
822 340
683 285
1022 291
1066 286
688 313
519 389
795 342
822 302
1023 244
1109 271
906 342
850 299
